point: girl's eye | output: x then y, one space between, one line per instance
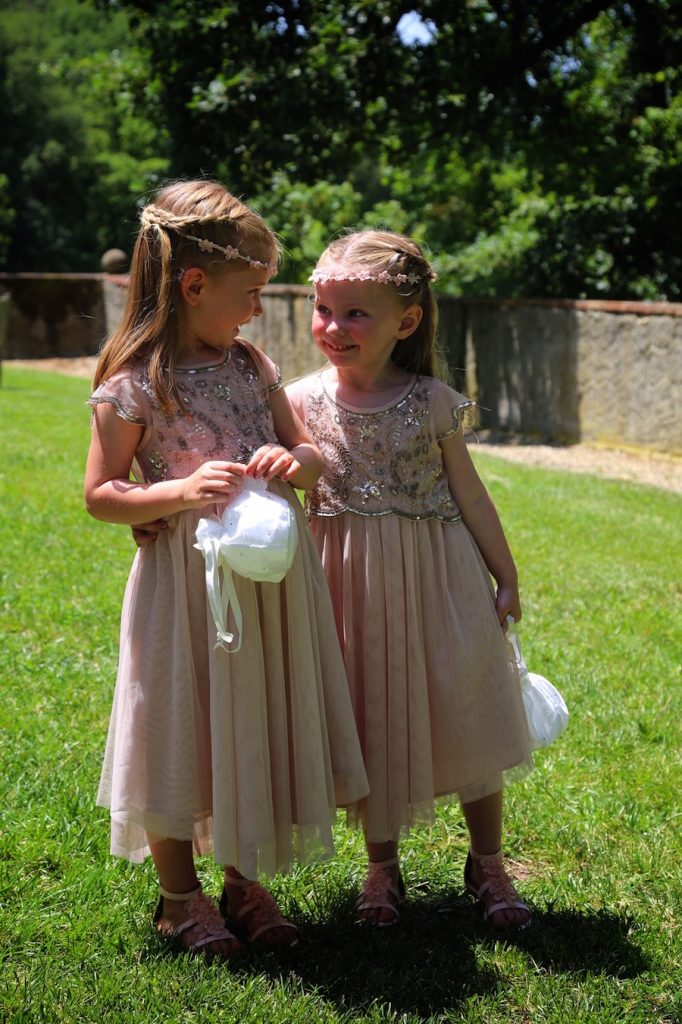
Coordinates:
322 309
356 313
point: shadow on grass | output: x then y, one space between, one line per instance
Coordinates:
431 961
439 956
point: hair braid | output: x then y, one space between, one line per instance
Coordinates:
150 330
155 216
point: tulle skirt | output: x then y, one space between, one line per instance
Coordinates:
245 753
435 691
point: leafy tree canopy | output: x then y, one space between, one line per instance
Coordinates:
534 147
79 138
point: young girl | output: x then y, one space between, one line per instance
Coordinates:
409 537
246 753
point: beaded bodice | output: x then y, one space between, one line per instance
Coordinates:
228 414
384 460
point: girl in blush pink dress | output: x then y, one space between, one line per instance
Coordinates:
409 539
244 752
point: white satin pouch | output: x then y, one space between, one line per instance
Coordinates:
545 708
256 537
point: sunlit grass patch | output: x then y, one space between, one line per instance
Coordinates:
593 833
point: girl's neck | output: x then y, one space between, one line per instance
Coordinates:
367 388
200 355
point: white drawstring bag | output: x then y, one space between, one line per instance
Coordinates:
545 708
255 536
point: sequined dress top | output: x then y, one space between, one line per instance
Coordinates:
228 415
385 460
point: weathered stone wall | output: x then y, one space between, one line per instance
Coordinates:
591 371
60 315
597 371
283 332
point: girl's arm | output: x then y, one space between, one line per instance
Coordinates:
112 496
483 523
297 461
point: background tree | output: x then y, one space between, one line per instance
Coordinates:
79 135
534 147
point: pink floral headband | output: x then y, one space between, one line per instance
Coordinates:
341 272
152 216
230 253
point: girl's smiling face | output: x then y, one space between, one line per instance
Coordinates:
356 324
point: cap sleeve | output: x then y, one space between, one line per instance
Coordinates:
269 371
448 408
122 391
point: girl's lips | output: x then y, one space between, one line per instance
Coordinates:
338 348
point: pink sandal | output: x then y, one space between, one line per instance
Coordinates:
379 893
258 914
204 916
497 884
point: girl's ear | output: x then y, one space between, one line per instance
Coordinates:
412 317
192 284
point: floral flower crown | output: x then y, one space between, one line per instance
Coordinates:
152 216
342 272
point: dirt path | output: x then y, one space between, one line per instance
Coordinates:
652 468
656 470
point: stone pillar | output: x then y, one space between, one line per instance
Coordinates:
115 265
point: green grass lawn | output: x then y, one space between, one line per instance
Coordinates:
594 833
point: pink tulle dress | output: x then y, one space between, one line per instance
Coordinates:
245 753
435 691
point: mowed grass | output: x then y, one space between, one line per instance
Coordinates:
593 834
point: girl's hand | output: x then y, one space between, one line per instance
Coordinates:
213 481
508 602
272 460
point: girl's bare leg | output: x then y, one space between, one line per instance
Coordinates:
174 862
377 852
484 821
239 892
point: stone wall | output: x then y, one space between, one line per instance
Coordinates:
587 370
60 315
600 371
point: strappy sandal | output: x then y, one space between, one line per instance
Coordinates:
497 886
257 915
203 915
380 893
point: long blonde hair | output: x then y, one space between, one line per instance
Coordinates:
398 262
150 328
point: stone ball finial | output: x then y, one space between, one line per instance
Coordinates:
115 261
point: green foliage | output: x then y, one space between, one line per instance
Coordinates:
6 216
535 148
593 833
81 138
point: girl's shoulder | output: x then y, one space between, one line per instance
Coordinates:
438 390
301 387
445 404
305 395
267 370
127 389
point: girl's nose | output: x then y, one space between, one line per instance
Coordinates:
334 327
